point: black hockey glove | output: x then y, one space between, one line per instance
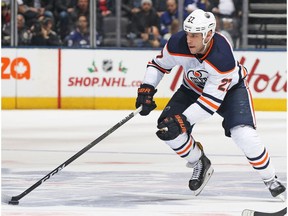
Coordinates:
171 127
145 98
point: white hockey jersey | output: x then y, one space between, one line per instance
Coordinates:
210 75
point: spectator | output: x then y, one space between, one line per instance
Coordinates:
80 37
136 6
145 26
223 8
5 24
43 35
24 33
81 8
126 8
5 13
5 2
230 12
130 7
49 8
220 29
169 20
160 6
191 5
106 7
63 14
32 9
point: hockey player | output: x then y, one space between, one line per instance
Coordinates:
213 81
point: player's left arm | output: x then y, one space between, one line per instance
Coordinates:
207 104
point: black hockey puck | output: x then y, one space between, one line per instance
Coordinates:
13 202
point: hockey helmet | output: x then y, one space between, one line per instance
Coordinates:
200 21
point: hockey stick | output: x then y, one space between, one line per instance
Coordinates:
248 212
14 200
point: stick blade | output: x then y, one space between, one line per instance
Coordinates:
248 212
8 200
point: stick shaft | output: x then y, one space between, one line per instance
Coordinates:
78 154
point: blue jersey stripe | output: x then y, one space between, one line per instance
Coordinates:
205 108
217 100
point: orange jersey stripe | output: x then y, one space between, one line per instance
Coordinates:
260 162
187 148
208 51
178 54
244 71
208 102
158 67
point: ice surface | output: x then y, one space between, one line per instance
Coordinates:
131 172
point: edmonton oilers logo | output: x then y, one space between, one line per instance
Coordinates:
199 77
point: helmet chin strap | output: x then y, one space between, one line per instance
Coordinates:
203 42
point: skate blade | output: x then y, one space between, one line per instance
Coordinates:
207 177
248 212
281 197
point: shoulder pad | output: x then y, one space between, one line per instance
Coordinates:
177 44
221 55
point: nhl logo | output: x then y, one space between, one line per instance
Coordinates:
107 65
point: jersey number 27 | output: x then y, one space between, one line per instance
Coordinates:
225 83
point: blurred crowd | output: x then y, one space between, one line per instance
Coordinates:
144 23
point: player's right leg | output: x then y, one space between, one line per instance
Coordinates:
184 145
187 148
202 172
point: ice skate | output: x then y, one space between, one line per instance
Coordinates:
202 172
276 188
